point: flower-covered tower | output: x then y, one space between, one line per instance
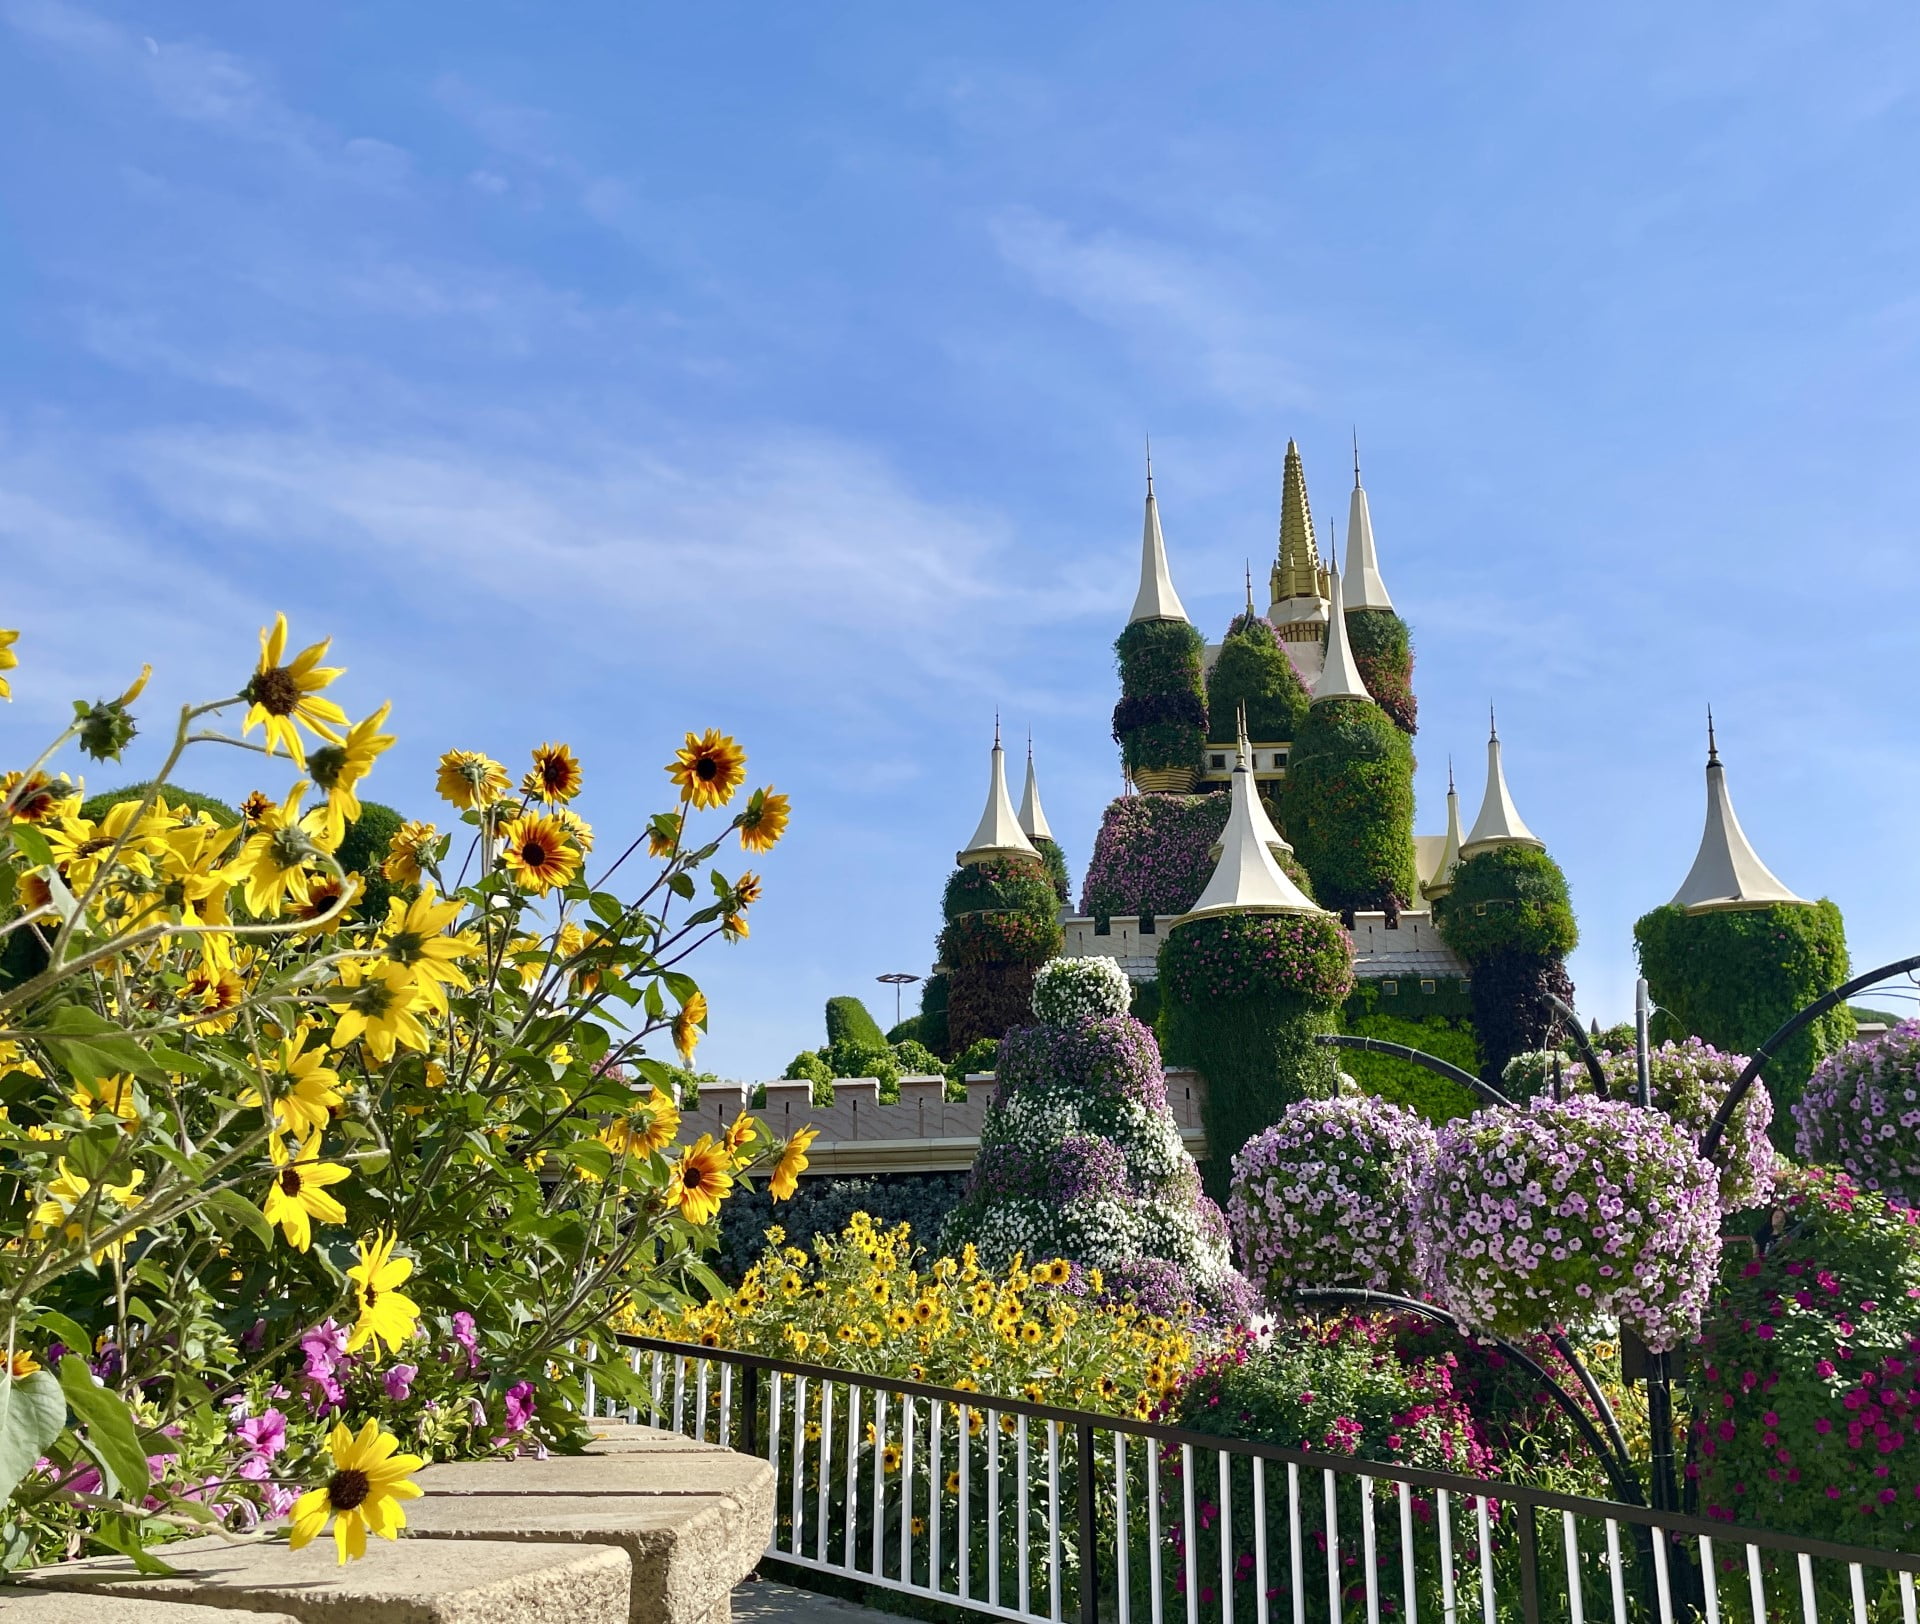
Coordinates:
1381 644
1735 953
1081 1160
1160 723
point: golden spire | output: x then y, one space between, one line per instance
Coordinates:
1298 572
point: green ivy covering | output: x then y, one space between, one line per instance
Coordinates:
987 1000
95 807
1513 899
933 1014
1003 923
1348 800
1001 937
998 888
1056 861
1252 669
1384 653
1438 1023
1243 998
1732 979
1161 720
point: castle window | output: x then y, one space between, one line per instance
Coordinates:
1389 989
1279 758
1146 924
1103 927
1219 763
1426 985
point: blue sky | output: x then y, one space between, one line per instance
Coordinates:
601 371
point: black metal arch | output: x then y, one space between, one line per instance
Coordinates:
1433 1063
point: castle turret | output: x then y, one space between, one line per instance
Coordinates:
1299 585
1499 822
1365 589
1246 879
1727 872
1156 599
1033 821
999 834
1340 675
1442 881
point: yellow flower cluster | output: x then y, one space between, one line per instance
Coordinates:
870 1300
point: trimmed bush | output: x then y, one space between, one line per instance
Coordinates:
1384 654
1861 1112
981 1056
915 1059
363 848
1348 800
908 1031
1056 861
1325 1197
1253 669
986 1000
1733 978
1568 1212
933 1014
809 1066
1161 720
848 1021
999 887
96 807
1243 997
823 1206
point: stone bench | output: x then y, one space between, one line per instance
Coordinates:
90 1607
647 1527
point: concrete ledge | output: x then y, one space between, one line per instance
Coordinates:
91 1607
692 1518
397 1582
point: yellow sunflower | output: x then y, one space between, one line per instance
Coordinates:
701 1179
62 1198
274 860
689 1023
416 937
113 1095
539 853
578 829
384 1313
554 777
255 807
708 768
34 797
337 768
297 1199
362 1495
21 1365
286 697
211 996
469 779
308 1089
663 834
652 1124
324 894
792 1163
413 847
764 821
8 660
377 1003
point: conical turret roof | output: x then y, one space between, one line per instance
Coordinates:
1340 676
999 834
1156 599
1270 837
1365 589
1442 881
1033 821
1297 571
1727 872
1247 879
1499 823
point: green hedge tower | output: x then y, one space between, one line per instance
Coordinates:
1003 921
1160 723
1507 913
1249 978
1735 953
1382 648
1348 796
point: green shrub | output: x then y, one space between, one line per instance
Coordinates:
1243 999
1510 899
982 1055
363 848
1512 1005
1448 1038
1384 654
998 938
1056 861
1348 799
1253 669
1733 978
808 1066
907 1031
822 1206
933 1014
95 807
1000 887
1146 1002
915 1059
988 999
849 1022
1161 720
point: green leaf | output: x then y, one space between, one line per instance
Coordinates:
60 1329
111 1438
32 1413
32 844
656 1006
122 1534
682 986
89 1045
237 1209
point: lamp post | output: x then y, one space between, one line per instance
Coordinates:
897 979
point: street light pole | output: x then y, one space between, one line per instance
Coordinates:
897 979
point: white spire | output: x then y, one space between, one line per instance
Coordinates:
1727 873
1247 879
1157 599
1033 821
1340 676
1442 881
999 834
1499 824
1364 587
1270 837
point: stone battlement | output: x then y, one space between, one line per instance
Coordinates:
1412 950
923 1133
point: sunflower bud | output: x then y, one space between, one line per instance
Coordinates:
105 728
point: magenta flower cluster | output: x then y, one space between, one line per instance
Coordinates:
1325 1197
1860 1111
1247 955
1561 1212
1152 855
